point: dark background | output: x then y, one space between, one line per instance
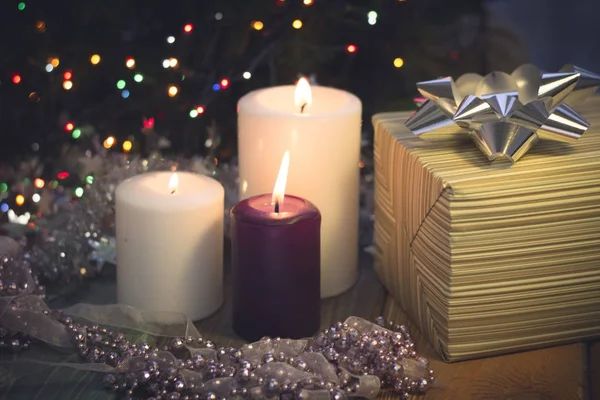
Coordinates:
433 37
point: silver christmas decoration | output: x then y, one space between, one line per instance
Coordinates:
505 114
354 358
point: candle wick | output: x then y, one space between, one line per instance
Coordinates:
174 190
302 108
276 207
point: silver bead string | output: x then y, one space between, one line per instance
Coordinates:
148 374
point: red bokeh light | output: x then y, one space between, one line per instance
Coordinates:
16 79
67 75
69 126
224 83
200 110
187 28
62 175
148 123
351 48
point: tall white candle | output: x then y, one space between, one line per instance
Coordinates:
322 134
170 243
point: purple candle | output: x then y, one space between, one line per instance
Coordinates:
275 244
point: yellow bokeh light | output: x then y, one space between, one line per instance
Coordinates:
95 59
173 62
20 200
258 25
82 271
127 145
297 24
308 2
109 142
67 85
38 183
398 62
173 91
130 63
54 61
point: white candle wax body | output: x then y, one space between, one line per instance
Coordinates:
170 245
324 144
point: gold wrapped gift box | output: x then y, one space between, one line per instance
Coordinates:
490 257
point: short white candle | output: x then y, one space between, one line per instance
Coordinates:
323 137
170 243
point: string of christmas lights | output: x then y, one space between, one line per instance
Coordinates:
69 74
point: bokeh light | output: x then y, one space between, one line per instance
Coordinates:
224 83
38 183
67 75
130 62
21 6
67 85
172 91
69 126
173 62
78 191
127 145
109 142
16 79
138 78
193 113
398 62
351 48
76 133
36 197
200 109
20 200
187 28
121 84
297 24
258 25
247 75
95 59
55 61
170 39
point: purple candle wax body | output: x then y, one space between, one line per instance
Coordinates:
276 268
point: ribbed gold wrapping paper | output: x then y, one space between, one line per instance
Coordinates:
490 258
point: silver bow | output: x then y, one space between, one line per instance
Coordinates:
505 114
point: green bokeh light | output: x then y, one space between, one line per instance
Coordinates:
121 84
138 78
76 133
3 187
193 113
21 6
79 192
89 179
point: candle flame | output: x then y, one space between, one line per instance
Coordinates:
303 94
173 183
279 190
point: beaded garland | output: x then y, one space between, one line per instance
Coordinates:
382 355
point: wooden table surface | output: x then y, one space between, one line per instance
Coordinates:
564 372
